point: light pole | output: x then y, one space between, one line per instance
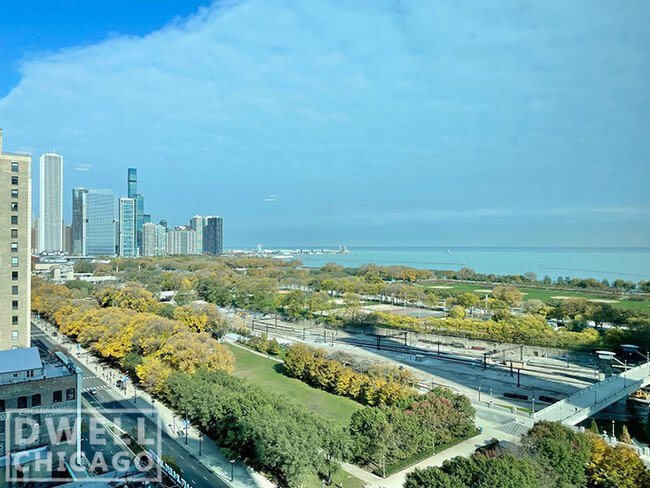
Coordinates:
187 425
479 393
200 438
613 431
232 470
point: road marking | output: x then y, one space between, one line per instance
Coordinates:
206 479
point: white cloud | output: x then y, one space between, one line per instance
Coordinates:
354 108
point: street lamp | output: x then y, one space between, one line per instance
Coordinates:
200 438
479 393
232 470
187 425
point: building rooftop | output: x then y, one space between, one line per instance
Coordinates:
20 360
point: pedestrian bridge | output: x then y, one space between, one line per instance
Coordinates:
584 403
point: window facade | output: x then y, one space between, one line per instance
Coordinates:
14 206
14 166
14 276
22 402
14 262
14 304
57 396
14 233
14 180
14 320
14 193
14 247
70 394
14 220
36 400
14 290
14 335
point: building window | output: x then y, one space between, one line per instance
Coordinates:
2 405
15 375
14 193
14 180
36 400
14 220
14 290
14 166
14 335
14 233
69 394
22 402
14 206
14 320
14 276
57 396
14 262
30 373
14 304
14 247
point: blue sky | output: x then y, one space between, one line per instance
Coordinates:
346 122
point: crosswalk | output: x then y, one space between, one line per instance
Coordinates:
100 387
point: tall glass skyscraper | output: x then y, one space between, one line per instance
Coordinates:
132 182
99 223
213 235
51 203
78 221
127 227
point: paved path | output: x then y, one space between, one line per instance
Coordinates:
101 377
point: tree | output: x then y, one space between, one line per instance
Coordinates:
468 300
509 294
457 312
616 467
352 305
319 302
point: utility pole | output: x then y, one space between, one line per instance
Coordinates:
518 377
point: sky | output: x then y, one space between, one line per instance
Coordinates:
345 122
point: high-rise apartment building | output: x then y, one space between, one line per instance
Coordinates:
98 223
196 224
154 239
132 182
213 235
127 228
51 203
15 249
181 240
148 239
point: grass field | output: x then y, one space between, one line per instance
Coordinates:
546 295
268 374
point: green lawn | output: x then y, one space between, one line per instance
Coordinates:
268 374
546 295
339 478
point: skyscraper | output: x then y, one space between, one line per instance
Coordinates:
127 227
196 224
181 240
148 239
15 249
213 235
139 220
51 202
77 220
98 223
132 182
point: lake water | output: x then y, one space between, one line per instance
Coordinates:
631 264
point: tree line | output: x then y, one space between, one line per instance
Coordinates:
380 386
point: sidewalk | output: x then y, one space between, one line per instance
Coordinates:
171 423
